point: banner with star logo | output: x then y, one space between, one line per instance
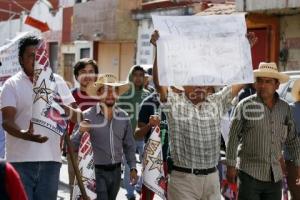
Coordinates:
87 169
47 111
153 173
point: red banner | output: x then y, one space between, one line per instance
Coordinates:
42 26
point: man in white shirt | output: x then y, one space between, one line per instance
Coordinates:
34 152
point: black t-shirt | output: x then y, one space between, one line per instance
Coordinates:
150 106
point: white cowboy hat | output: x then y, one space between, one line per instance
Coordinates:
270 70
296 90
109 80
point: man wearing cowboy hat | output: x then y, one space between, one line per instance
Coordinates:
111 136
261 125
291 168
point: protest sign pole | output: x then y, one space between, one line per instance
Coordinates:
75 166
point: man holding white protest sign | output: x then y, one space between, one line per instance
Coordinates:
110 134
194 116
33 147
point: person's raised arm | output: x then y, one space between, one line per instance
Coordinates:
235 89
162 90
143 128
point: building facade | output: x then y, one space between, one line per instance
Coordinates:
279 23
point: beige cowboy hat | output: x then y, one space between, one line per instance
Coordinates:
296 90
106 80
270 70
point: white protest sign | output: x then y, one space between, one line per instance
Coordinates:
9 58
203 50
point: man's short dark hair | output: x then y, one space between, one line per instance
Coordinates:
84 62
137 68
30 40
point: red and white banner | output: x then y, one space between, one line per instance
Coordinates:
47 112
153 171
86 168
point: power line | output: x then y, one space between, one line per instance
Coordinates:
19 5
10 12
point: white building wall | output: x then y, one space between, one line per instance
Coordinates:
9 29
40 11
79 46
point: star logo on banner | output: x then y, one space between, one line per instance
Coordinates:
42 92
36 75
157 163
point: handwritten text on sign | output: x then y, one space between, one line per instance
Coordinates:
203 50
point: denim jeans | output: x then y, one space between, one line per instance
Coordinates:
108 183
129 188
253 189
40 179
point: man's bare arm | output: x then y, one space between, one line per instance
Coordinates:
142 130
162 90
9 125
235 89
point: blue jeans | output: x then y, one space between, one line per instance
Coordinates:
107 183
253 189
40 179
129 188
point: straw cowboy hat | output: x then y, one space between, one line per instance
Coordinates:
270 70
106 80
296 90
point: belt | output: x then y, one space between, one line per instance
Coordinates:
108 167
195 171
